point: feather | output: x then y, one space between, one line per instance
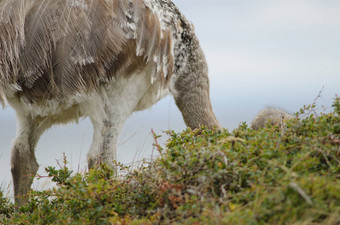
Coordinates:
2 98
60 48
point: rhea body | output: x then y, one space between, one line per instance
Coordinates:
271 115
61 60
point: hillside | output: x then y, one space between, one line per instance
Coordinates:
265 176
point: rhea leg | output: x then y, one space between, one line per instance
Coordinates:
105 137
107 117
23 161
110 107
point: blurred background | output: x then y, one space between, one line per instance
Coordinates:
260 53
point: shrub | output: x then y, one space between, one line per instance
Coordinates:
265 176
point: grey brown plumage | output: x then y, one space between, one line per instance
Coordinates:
58 48
271 115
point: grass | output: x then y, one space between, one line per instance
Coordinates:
265 176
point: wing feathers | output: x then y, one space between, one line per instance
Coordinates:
57 48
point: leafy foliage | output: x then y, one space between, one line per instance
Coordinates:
273 175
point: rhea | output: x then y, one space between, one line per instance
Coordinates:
270 115
61 60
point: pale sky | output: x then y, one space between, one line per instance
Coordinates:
260 52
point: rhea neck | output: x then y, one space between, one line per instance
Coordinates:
192 90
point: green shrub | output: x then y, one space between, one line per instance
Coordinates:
266 176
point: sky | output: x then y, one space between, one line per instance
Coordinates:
260 53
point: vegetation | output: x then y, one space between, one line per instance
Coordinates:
274 175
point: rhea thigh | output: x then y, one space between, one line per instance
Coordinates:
108 110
